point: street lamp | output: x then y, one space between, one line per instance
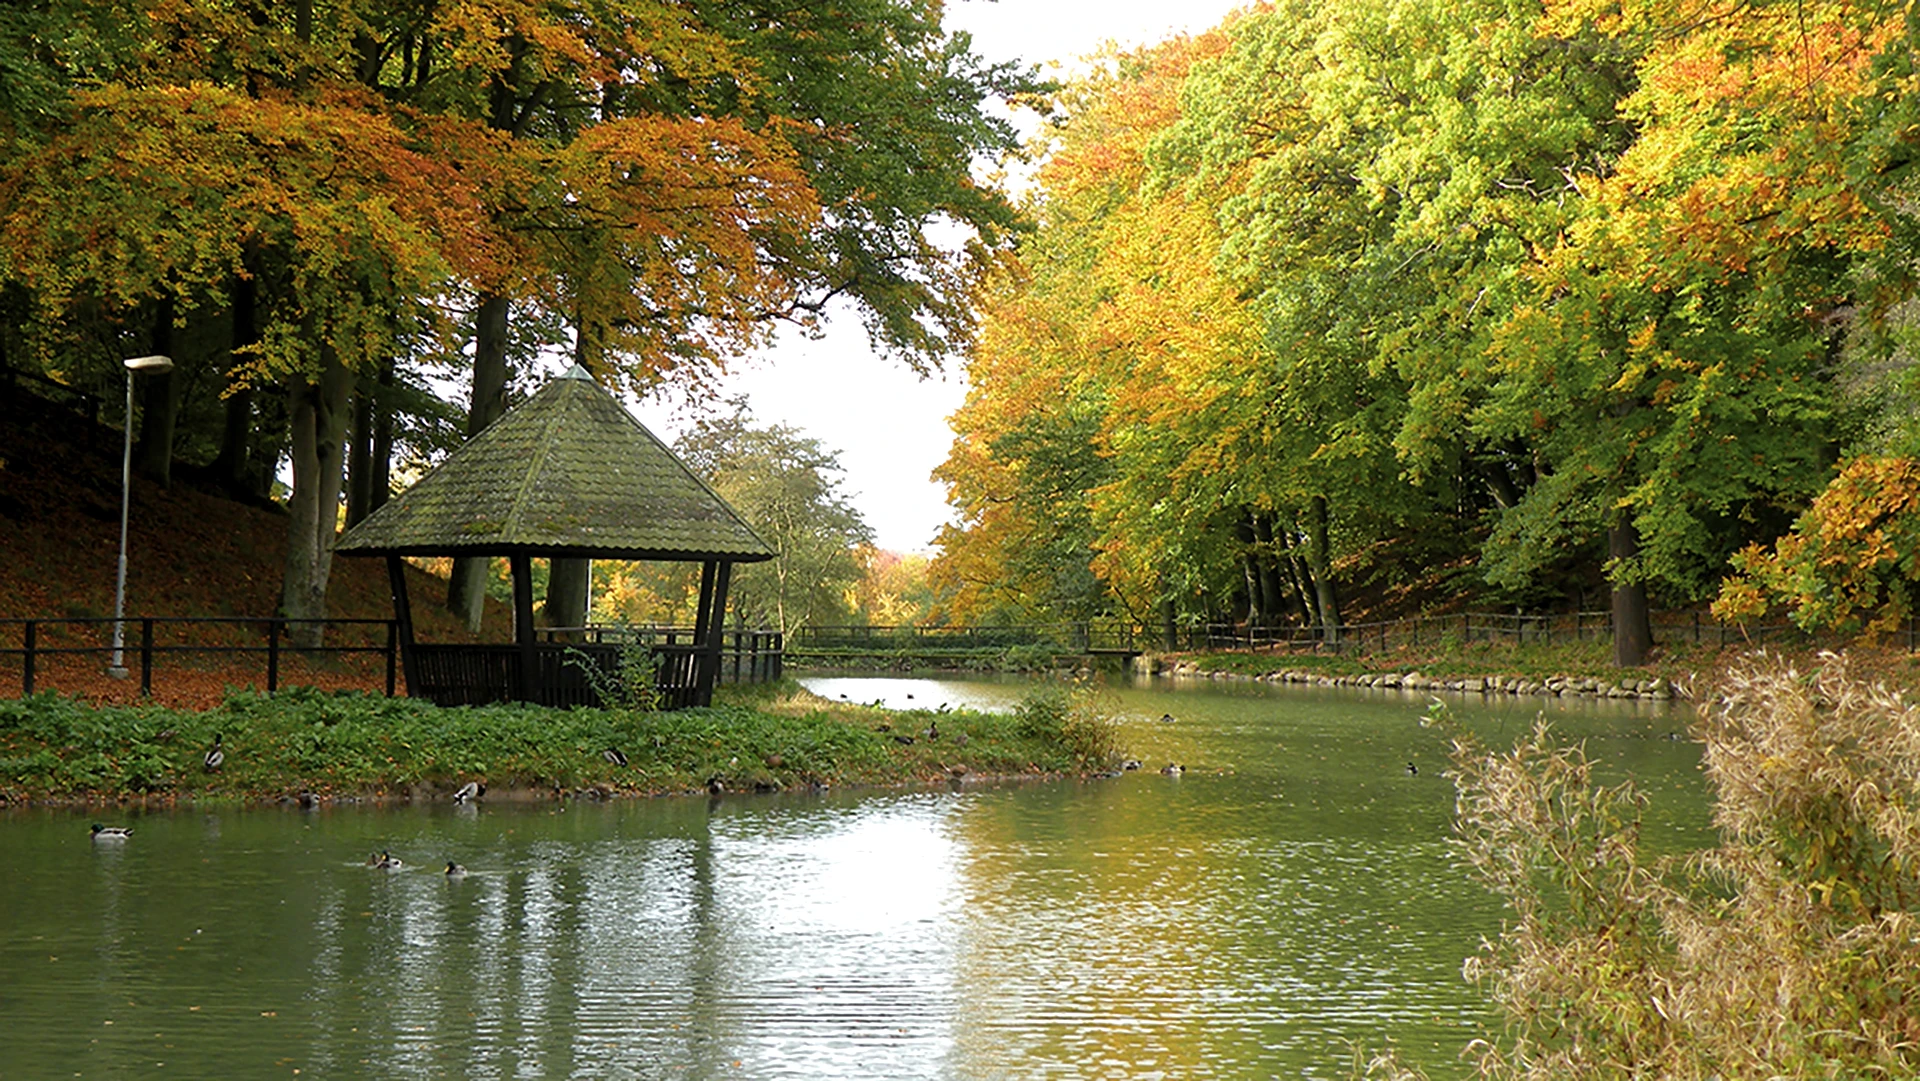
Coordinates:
153 365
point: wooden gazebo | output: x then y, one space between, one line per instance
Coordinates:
567 474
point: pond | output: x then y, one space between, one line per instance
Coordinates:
1288 899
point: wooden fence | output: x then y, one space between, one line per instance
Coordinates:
155 643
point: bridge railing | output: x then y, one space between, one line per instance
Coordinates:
1083 637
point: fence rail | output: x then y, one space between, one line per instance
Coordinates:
746 656
163 636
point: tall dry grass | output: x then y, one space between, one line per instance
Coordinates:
1789 950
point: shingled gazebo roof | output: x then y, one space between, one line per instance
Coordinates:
567 473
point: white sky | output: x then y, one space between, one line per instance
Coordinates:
888 425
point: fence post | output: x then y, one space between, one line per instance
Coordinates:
273 655
146 657
26 660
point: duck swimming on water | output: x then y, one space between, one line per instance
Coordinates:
111 833
454 870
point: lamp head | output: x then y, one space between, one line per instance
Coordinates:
152 365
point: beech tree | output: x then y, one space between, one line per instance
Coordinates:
664 180
1564 288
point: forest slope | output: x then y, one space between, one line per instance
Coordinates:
190 553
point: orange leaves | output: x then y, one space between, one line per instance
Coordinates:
1850 560
672 228
165 190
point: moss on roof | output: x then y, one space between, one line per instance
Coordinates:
569 472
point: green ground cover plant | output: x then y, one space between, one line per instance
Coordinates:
354 744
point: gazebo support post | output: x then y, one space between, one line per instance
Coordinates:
522 566
716 634
702 615
403 616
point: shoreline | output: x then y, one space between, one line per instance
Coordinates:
1654 688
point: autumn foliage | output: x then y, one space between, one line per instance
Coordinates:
1562 298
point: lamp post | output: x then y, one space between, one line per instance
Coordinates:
151 365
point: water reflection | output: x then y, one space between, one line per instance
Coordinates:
1291 896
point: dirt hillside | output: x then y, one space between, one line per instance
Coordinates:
190 554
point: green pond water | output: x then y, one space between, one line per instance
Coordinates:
1289 899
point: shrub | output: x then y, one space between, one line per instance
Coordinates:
1072 718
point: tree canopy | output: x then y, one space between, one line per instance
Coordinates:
1527 299
329 207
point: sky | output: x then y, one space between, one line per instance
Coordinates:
888 425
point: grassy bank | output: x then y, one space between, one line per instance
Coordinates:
358 745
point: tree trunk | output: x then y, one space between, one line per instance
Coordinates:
1300 577
318 415
1169 628
467 583
159 405
380 468
234 465
1320 559
1632 624
360 457
1269 565
567 581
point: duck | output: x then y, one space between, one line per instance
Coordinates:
614 757
215 756
454 870
1166 718
933 731
1413 770
472 790
1172 769
904 741
386 861
111 833
1130 764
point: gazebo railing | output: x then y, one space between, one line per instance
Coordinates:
455 675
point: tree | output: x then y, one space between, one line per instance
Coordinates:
1850 561
783 483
